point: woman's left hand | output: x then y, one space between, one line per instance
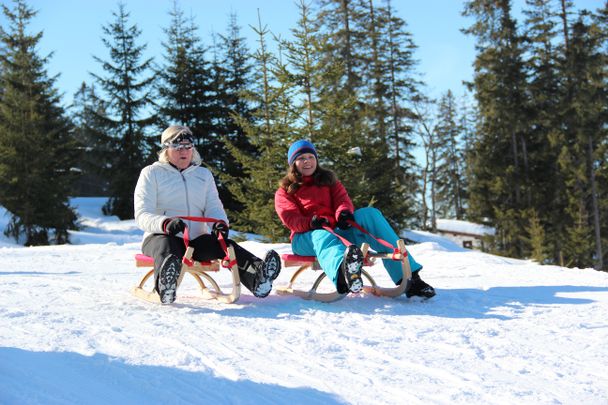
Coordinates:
220 228
343 219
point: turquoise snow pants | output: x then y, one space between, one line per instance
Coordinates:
329 250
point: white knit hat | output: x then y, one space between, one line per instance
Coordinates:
173 132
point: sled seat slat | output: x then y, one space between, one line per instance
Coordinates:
142 260
291 260
297 258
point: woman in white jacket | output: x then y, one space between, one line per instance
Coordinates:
177 186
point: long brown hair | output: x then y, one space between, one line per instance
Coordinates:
293 179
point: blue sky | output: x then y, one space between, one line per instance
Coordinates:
72 31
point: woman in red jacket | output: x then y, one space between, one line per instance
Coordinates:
311 197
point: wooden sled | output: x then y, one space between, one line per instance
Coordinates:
310 262
198 270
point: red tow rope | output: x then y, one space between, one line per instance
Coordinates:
355 225
220 239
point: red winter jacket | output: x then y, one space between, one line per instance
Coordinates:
296 210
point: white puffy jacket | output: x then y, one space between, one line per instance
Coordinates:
162 192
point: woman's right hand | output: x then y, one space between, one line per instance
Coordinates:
318 222
173 226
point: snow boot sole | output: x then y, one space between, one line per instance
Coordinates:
351 267
167 279
269 272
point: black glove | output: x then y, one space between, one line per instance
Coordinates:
173 226
318 222
343 219
220 228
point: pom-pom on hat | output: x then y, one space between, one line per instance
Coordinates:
299 148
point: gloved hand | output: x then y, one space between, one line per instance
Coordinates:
343 219
318 222
173 226
220 228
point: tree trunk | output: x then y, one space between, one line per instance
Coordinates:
564 17
394 106
528 191
347 54
377 73
596 210
516 171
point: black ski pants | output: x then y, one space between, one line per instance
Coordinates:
206 248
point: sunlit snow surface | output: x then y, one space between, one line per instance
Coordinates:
499 331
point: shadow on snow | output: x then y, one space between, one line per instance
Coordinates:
37 273
64 377
456 303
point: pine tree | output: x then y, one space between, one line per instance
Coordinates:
402 90
90 134
341 20
388 70
537 238
268 126
127 95
601 27
301 72
501 186
426 129
450 192
554 110
231 80
585 124
37 150
356 106
545 57
343 133
467 119
184 86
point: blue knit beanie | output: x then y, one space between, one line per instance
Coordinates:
299 148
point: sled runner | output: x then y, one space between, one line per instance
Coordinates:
369 257
198 270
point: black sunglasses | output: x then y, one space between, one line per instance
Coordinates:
180 146
183 136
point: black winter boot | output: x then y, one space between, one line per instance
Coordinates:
269 271
419 288
351 269
168 274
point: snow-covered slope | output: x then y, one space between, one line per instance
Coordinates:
499 331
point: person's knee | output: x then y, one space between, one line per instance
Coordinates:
318 236
325 238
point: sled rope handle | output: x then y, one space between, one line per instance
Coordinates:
346 242
396 250
220 239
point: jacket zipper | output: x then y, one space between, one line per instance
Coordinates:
187 200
